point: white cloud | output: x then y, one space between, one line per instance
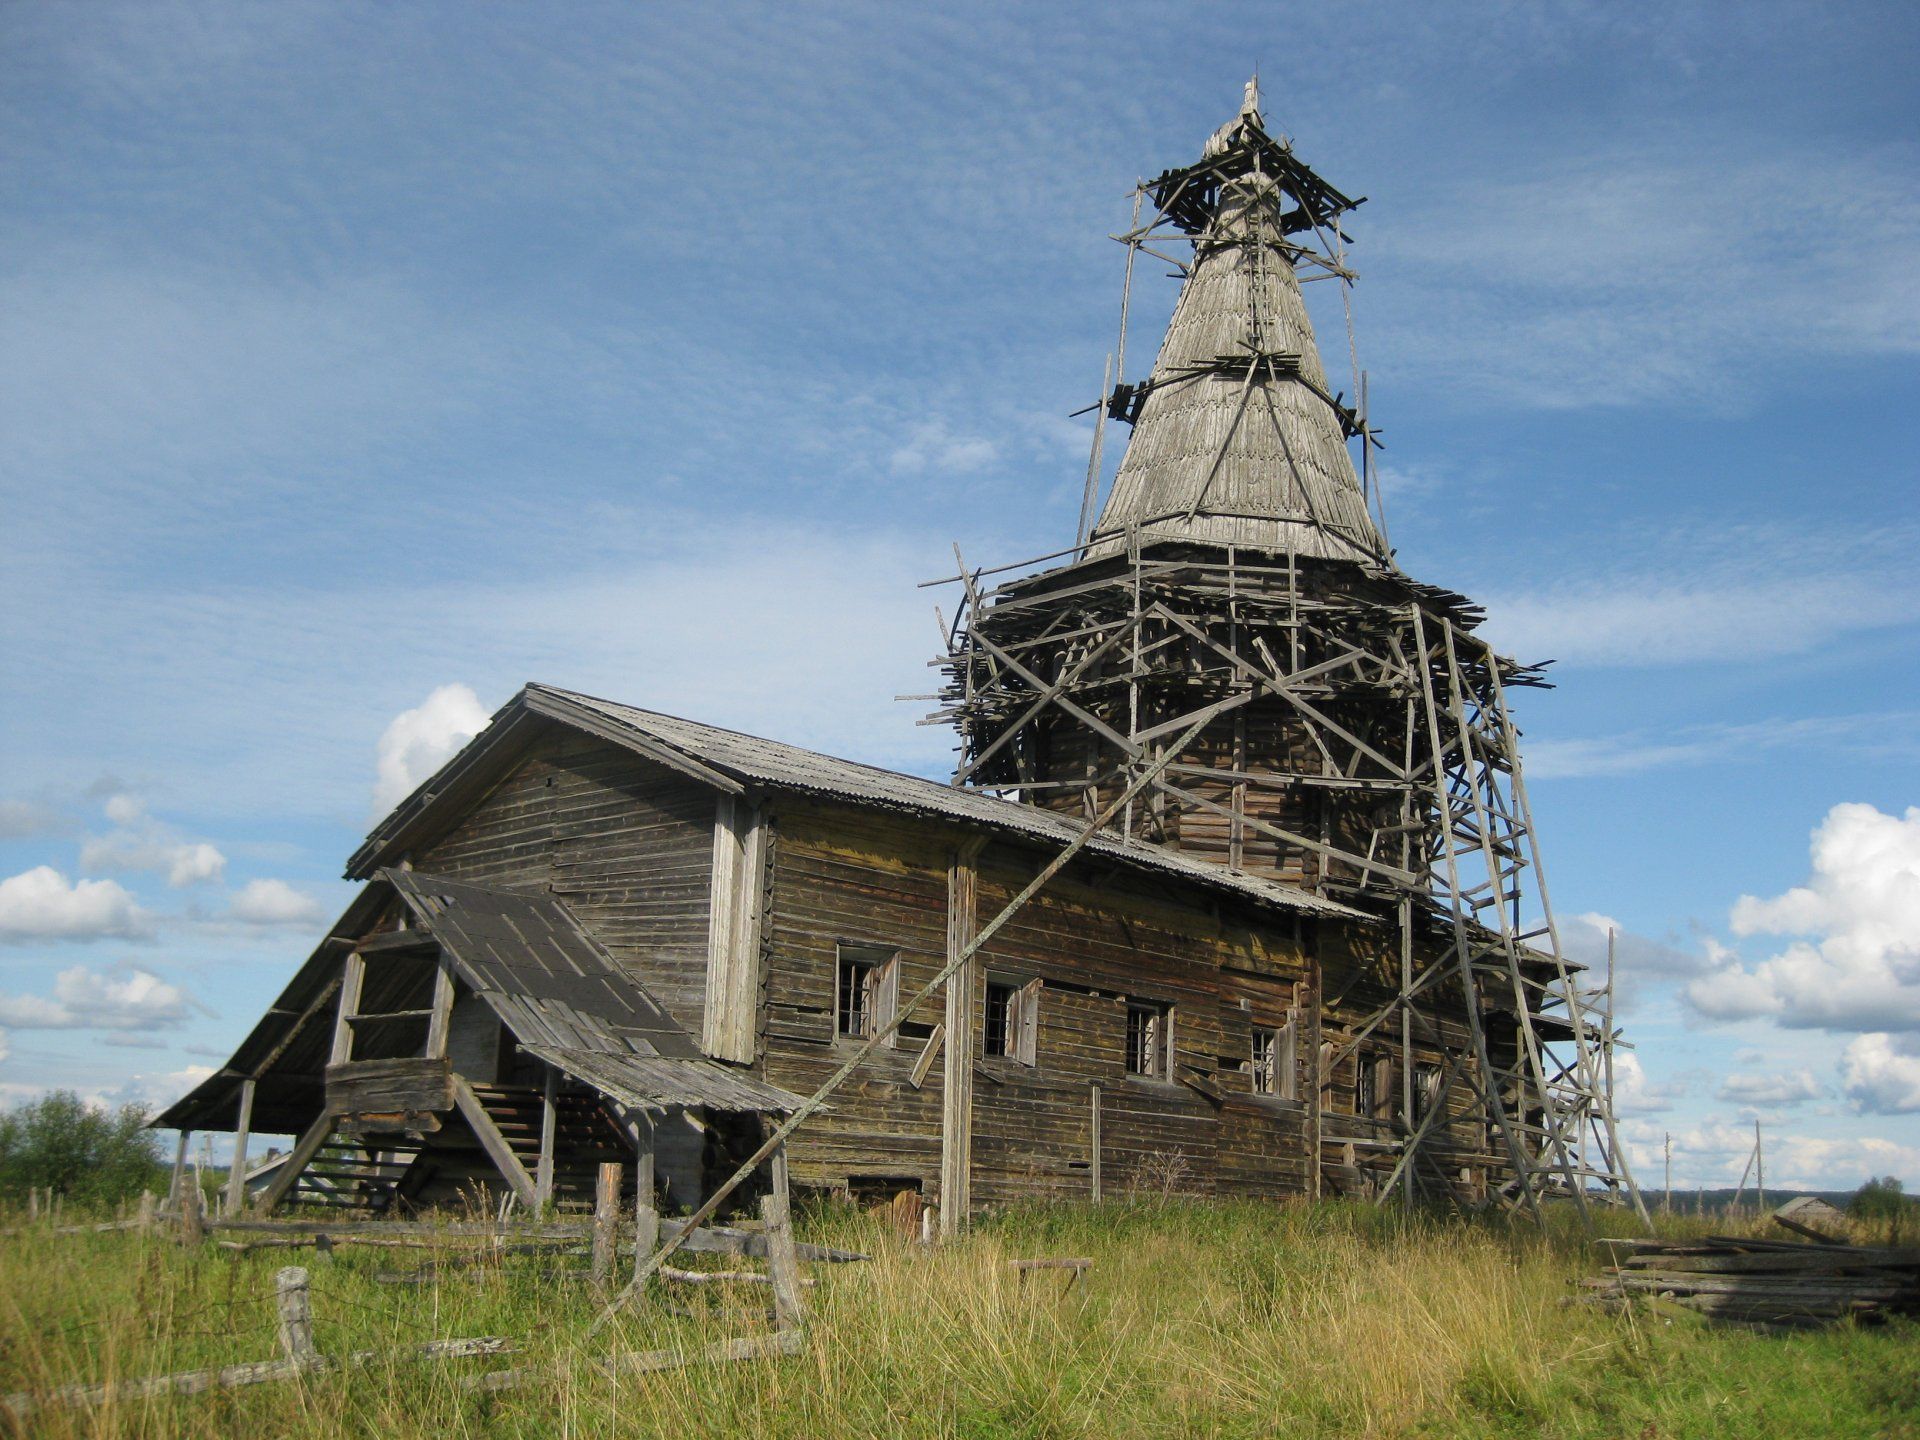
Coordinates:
125 809
86 999
419 741
1882 1074
1638 959
1788 1087
1634 1093
142 843
41 904
184 863
273 902
934 447
1859 966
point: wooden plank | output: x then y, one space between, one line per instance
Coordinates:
606 1217
237 1167
442 1014
928 1054
353 977
956 1102
543 1169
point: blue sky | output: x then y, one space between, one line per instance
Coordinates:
350 355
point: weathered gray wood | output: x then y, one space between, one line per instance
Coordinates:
193 1215
729 1024
304 1149
606 1219
543 1166
237 1167
442 1016
956 1101
928 1054
1094 1144
174 1189
495 1144
789 1311
353 976
296 1316
391 1090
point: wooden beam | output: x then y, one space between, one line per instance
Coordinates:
352 978
549 1122
956 1100
304 1149
728 1028
441 1018
494 1143
1094 1147
237 1168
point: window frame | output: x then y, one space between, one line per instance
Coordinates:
879 970
1158 1039
1019 1032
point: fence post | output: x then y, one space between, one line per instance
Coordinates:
193 1221
782 1260
646 1219
145 1221
296 1317
606 1217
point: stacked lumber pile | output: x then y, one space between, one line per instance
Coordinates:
1776 1283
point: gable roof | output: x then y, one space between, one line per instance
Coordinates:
733 762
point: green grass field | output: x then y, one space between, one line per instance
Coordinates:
1195 1320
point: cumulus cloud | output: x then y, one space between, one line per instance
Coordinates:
42 904
84 999
1635 1093
419 741
184 863
1856 965
273 902
142 843
1881 1074
1767 1091
1638 959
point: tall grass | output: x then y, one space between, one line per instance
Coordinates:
1195 1319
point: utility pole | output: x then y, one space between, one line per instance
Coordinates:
1666 1192
1759 1170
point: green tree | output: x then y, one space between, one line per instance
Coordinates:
81 1151
1881 1199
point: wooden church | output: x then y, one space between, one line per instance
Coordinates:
1298 945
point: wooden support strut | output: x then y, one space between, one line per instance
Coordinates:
905 1012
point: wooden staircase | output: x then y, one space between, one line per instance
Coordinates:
584 1137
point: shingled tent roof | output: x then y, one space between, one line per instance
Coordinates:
1228 448
529 958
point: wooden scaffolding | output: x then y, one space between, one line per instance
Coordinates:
1342 725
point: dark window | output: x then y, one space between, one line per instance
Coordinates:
1149 1039
1013 1020
1003 1002
864 992
1266 1045
1426 1091
1365 1085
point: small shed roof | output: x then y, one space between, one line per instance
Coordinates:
529 958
